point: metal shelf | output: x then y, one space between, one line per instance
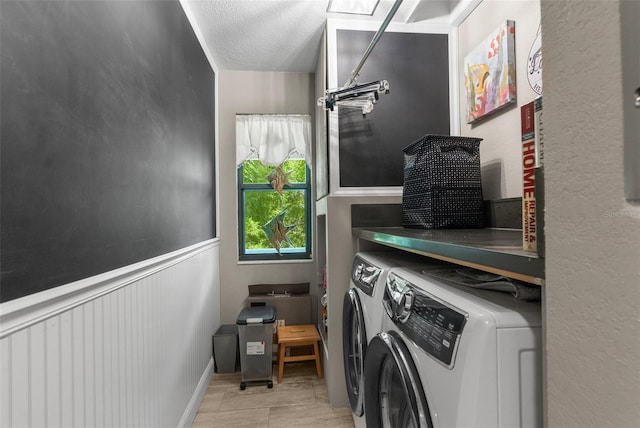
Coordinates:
492 250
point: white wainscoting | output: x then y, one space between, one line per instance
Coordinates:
130 348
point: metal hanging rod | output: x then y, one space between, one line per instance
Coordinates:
374 41
357 96
362 96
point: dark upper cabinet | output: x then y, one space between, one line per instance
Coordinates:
416 65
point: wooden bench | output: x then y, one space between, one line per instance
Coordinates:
294 336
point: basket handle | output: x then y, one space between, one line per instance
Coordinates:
451 148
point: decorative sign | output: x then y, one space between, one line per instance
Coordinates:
534 64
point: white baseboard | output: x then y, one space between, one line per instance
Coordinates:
194 404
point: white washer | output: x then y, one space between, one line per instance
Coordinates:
452 356
362 316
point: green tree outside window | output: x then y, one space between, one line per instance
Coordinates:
259 203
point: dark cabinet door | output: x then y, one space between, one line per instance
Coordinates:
416 65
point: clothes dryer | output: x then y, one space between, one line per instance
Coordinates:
362 315
452 356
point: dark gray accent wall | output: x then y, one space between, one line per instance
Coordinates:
107 139
417 69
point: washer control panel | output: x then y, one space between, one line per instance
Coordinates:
430 323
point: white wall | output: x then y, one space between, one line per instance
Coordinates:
592 233
131 347
253 92
500 151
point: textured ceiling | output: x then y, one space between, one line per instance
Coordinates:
262 35
282 35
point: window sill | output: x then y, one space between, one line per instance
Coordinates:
269 262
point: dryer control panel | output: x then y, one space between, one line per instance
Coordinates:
430 323
364 275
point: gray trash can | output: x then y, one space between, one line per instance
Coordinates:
255 331
225 348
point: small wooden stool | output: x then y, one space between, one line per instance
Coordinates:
298 335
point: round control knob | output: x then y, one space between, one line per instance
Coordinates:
403 307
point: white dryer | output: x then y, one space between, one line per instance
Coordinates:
362 316
452 356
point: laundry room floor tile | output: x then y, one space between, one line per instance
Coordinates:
317 415
300 400
212 399
232 418
284 394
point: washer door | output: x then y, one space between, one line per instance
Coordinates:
354 346
393 392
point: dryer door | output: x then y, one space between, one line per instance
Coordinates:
393 391
354 345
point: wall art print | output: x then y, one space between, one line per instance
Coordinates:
490 73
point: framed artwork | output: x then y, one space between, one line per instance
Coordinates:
490 73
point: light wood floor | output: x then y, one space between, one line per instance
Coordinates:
300 400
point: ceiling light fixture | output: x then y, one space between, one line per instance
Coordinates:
356 7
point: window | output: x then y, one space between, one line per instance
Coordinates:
261 204
274 187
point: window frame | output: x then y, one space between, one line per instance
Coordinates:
286 254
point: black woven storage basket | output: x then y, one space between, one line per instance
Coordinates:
442 186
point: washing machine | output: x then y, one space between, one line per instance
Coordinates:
362 316
453 356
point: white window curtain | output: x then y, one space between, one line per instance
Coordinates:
273 138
